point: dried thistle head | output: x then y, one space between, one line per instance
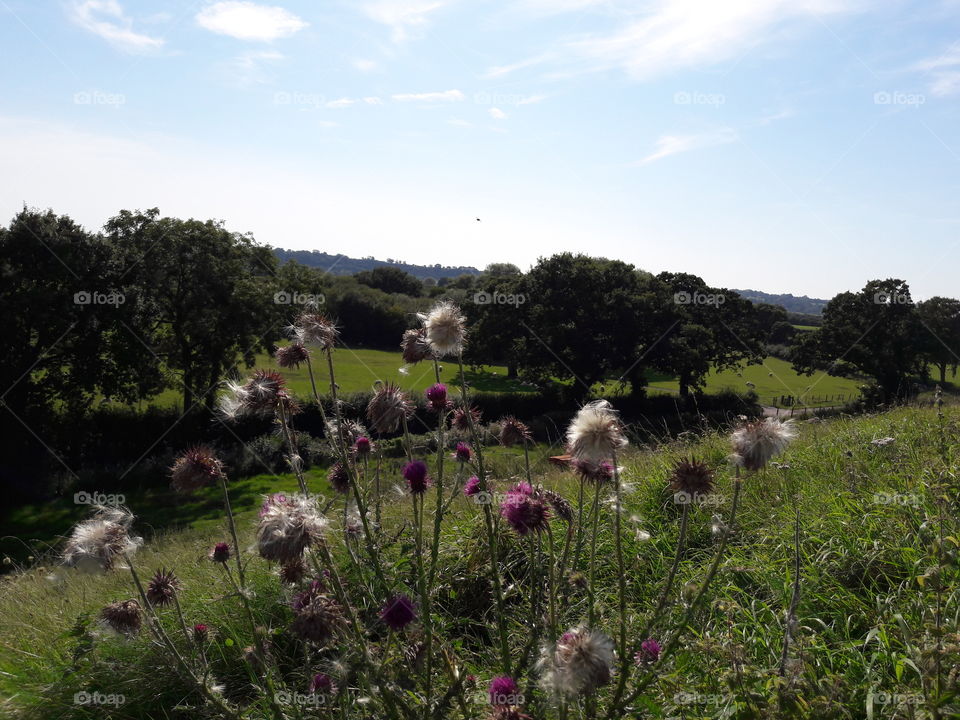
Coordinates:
96 543
288 526
292 355
414 346
596 433
445 328
162 587
581 662
339 477
513 432
464 418
561 506
312 328
293 571
388 407
594 472
756 443
195 468
692 477
318 620
124 617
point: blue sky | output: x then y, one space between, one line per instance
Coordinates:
800 146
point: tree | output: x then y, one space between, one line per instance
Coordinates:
391 280
502 269
712 329
209 295
876 331
495 315
940 317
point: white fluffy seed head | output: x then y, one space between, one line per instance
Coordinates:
756 443
288 526
596 433
581 662
445 328
96 543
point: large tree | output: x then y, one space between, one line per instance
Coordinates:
876 331
940 317
209 295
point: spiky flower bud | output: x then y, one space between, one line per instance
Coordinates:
318 620
398 612
315 329
561 506
592 471
200 633
464 419
415 473
525 509
292 355
293 571
388 407
513 432
220 552
437 398
162 587
123 616
195 468
414 346
692 477
462 453
339 477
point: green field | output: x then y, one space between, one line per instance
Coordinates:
775 378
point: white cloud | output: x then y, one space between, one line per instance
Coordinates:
249 21
500 70
497 114
531 99
107 19
340 103
676 34
364 65
373 100
445 96
668 145
944 72
403 17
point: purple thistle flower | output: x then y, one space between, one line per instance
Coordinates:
302 599
437 398
472 487
339 477
362 446
415 473
463 452
323 684
275 499
503 691
398 612
200 633
524 510
649 652
220 552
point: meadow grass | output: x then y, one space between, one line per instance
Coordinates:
871 517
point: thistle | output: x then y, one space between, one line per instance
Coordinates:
220 553
96 543
288 527
414 346
293 355
323 684
315 329
388 407
415 473
581 662
162 587
398 612
503 691
445 329
756 443
124 617
318 620
513 432
598 473
463 419
339 478
525 510
195 468
472 486
692 477
463 453
649 652
437 398
596 433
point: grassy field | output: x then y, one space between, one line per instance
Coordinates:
870 517
775 378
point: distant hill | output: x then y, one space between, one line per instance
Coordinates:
790 303
343 265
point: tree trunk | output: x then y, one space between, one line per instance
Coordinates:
942 367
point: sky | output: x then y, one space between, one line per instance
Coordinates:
802 146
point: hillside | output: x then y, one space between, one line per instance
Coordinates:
343 265
790 303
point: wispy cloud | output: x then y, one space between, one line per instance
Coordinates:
668 145
403 17
944 72
346 102
497 114
249 21
498 71
445 96
107 19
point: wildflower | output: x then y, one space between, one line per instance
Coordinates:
346 431
524 510
315 329
269 501
464 418
594 472
323 684
437 398
200 633
195 468
398 612
503 691
472 486
263 393
692 477
463 453
220 552
756 443
288 527
596 432
96 543
293 571
444 328
561 506
318 620
415 473
581 662
339 477
123 617
513 432
293 355
362 446
649 652
302 599
414 346
162 587
388 407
